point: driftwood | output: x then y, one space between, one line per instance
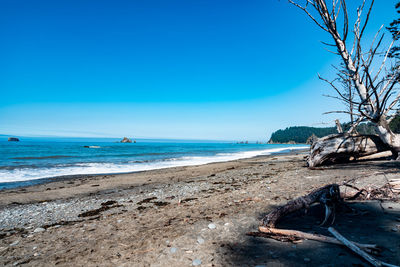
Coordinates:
389 191
338 126
355 248
395 185
303 235
328 195
341 147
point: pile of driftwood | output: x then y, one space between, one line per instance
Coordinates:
344 147
390 191
329 196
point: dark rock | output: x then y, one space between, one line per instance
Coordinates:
126 140
147 200
108 203
13 139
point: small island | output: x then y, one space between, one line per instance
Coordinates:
126 140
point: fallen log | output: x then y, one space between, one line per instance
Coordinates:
341 147
328 195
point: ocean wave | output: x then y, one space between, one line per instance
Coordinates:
24 174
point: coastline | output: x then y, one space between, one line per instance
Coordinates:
177 215
45 180
67 186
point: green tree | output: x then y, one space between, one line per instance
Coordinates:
394 29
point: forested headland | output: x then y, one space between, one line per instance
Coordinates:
300 134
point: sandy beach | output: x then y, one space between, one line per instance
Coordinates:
200 133
192 216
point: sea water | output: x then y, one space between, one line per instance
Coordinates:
29 161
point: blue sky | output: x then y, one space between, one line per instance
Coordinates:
221 70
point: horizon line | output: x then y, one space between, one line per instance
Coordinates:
132 138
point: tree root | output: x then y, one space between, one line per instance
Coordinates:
328 195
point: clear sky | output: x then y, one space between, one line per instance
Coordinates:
216 69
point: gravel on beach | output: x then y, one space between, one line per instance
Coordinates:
187 216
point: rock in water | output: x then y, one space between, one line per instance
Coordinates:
13 139
126 140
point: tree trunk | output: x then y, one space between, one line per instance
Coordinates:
327 195
388 137
341 147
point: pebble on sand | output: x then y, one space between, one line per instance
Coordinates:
212 226
196 262
200 240
173 250
39 229
14 243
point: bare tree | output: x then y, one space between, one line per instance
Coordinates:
365 71
345 91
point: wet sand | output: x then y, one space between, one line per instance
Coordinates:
191 215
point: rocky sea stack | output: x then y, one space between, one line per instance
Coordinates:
13 139
126 140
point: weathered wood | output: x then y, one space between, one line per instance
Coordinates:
327 195
357 250
354 248
341 147
384 154
338 126
388 136
395 184
371 99
316 237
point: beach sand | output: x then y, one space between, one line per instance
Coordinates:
197 215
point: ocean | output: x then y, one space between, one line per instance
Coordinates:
34 161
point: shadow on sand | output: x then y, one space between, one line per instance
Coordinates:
386 166
367 223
